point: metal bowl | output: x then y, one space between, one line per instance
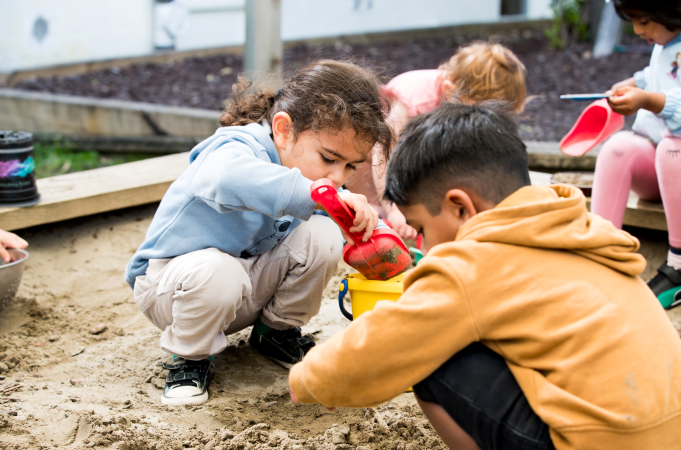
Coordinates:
10 276
585 188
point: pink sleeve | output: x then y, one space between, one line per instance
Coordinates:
419 90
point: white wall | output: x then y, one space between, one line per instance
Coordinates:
212 23
539 9
90 30
77 30
302 19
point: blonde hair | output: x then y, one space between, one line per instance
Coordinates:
487 71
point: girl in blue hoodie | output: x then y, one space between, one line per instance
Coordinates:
237 240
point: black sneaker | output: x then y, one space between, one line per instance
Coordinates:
187 382
666 286
285 347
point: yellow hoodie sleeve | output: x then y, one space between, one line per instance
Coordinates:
391 348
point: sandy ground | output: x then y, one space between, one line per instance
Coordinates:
64 387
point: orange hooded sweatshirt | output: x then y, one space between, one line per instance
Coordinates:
551 288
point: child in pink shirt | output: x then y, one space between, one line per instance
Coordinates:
479 71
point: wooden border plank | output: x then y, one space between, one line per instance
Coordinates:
95 191
110 188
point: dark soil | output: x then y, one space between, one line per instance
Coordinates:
206 82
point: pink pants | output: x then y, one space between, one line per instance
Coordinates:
628 161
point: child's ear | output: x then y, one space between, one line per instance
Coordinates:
461 204
281 129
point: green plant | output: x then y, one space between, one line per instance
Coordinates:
569 23
53 159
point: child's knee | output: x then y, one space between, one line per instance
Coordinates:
668 155
620 144
323 238
216 278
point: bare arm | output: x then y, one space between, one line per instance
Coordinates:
397 119
627 100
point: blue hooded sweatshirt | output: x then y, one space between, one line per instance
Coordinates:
235 196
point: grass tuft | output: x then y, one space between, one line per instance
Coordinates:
53 159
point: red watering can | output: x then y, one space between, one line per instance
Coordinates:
382 257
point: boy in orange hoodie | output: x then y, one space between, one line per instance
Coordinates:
526 326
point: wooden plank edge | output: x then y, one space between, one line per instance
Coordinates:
19 218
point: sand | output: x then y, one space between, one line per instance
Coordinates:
82 365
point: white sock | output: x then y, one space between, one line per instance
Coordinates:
674 260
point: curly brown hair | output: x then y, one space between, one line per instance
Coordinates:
325 95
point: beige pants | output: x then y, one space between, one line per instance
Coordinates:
197 298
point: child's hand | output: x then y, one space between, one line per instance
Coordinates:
626 100
399 224
627 82
366 217
295 400
10 240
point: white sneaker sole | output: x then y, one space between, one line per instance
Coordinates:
181 401
283 364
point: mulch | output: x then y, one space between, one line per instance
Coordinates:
205 82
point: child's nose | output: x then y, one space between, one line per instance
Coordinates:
338 178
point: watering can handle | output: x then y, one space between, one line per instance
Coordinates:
342 290
323 191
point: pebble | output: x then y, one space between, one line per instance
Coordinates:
76 382
12 413
53 337
98 329
78 351
268 404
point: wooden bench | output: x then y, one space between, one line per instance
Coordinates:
110 188
639 213
98 190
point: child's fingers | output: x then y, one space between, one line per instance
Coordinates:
11 240
373 223
347 237
330 408
4 254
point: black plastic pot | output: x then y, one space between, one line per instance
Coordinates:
17 169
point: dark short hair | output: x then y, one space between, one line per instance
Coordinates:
664 12
457 146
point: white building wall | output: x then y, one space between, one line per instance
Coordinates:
304 19
539 9
90 30
76 30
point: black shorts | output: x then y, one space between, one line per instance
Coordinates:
478 390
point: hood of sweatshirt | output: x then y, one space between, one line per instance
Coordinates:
555 217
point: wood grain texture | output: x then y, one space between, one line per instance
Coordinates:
110 188
99 190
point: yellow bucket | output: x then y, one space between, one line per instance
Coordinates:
364 294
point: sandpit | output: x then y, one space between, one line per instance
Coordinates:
82 365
